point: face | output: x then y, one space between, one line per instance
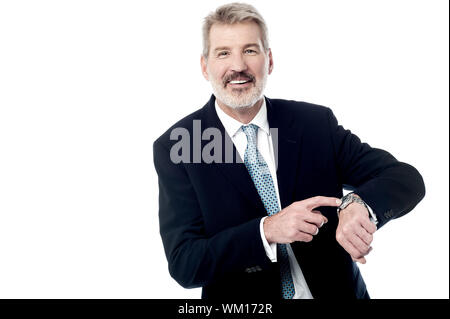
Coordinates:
237 65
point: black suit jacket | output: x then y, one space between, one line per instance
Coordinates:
210 213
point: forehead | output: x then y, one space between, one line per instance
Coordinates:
232 35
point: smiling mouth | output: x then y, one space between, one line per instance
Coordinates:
239 83
241 79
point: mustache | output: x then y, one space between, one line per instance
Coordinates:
237 75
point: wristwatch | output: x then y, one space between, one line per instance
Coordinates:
352 198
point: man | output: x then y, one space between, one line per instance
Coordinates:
254 215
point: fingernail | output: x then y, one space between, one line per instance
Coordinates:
338 201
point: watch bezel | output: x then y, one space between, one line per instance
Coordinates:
348 199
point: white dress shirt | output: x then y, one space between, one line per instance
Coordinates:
265 147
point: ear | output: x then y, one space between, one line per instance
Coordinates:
270 61
204 66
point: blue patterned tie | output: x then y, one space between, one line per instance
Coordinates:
260 174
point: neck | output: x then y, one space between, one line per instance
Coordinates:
244 115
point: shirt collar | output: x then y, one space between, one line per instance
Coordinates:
232 126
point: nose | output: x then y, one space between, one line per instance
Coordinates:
238 63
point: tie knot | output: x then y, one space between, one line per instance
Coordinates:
250 131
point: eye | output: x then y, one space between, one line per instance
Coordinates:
250 51
222 54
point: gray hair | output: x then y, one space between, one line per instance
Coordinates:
230 14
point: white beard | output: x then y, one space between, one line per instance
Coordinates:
239 98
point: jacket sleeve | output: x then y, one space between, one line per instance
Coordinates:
391 188
194 258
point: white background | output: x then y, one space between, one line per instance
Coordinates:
87 86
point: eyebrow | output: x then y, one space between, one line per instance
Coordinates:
245 47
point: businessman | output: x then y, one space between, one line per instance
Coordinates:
251 198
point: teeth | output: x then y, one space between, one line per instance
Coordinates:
238 82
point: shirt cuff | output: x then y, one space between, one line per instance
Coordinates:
271 249
372 215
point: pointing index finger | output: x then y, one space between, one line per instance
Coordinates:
319 201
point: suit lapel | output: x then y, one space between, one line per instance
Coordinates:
235 172
286 144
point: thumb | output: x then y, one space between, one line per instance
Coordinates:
325 220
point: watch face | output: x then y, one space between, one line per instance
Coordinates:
346 200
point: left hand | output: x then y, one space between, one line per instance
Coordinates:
355 231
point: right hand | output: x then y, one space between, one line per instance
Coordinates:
299 221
